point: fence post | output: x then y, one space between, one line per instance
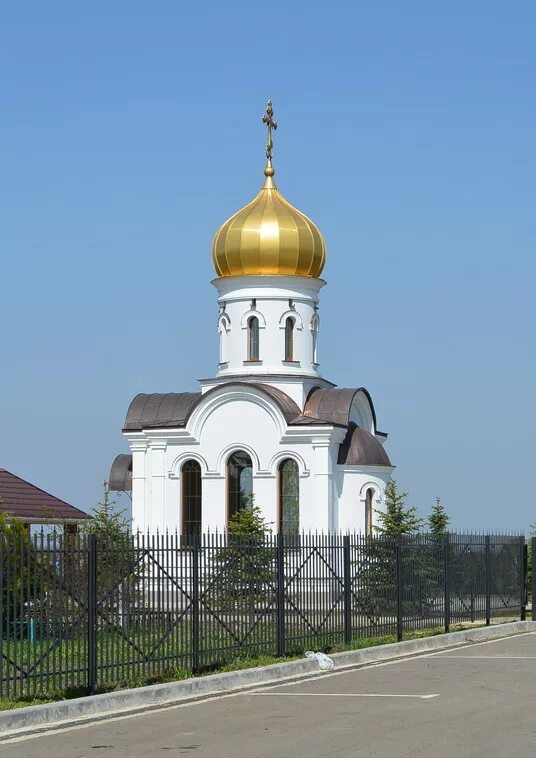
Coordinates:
533 577
280 594
523 577
195 603
488 580
92 613
447 582
347 564
399 587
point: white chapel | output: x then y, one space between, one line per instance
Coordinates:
268 428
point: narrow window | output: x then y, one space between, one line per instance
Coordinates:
289 339
289 498
223 341
239 482
368 512
191 500
314 332
253 338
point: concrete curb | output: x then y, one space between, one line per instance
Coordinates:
64 712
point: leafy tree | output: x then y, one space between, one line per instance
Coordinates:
397 518
18 585
438 520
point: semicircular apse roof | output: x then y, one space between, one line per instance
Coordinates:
334 404
361 448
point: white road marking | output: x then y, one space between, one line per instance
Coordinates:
393 662
495 657
461 646
94 721
340 694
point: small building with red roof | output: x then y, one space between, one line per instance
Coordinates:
22 500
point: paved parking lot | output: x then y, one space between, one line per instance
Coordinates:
479 700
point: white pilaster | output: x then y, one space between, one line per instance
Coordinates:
157 519
323 487
325 447
138 449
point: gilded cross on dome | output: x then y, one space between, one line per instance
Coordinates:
271 124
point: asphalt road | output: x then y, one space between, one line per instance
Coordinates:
479 700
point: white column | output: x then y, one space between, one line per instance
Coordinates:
157 518
138 485
323 490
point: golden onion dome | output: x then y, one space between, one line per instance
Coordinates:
269 237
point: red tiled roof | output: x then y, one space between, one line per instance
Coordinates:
26 501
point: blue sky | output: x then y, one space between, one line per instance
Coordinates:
130 131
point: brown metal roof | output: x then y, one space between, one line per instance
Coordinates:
160 410
26 501
286 404
325 407
120 479
334 405
173 409
362 448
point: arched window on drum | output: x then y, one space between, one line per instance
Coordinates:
315 326
253 338
289 339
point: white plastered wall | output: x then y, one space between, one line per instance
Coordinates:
272 300
352 485
233 418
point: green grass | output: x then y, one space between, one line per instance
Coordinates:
234 664
10 705
388 639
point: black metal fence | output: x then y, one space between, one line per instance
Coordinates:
79 614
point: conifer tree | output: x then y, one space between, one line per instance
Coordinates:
433 551
377 570
248 521
120 566
247 561
438 520
397 518
108 523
